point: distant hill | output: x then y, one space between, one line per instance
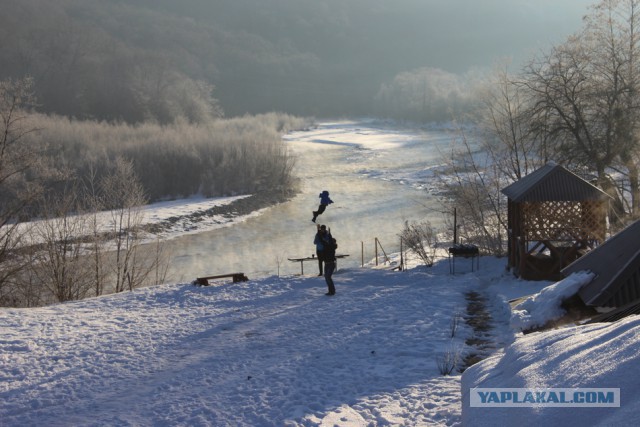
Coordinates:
135 60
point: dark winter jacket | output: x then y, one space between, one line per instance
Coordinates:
330 246
324 198
318 240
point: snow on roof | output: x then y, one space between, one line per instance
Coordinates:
537 310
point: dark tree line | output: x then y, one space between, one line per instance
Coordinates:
135 60
108 61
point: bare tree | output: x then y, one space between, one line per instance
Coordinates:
94 204
616 23
60 262
159 263
16 159
577 104
506 132
504 150
124 196
26 289
472 182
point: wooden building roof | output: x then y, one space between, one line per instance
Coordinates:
552 182
616 264
630 309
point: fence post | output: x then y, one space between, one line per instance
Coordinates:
455 226
386 257
375 243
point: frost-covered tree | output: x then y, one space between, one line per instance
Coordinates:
426 95
584 95
60 263
124 197
17 158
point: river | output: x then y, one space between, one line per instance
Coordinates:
378 176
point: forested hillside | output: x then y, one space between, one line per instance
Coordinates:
135 60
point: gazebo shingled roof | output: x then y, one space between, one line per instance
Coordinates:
552 182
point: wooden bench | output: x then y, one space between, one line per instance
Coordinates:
236 277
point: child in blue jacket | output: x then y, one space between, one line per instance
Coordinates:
324 202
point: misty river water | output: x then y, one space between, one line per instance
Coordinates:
378 176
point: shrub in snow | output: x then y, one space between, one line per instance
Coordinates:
448 361
455 322
422 239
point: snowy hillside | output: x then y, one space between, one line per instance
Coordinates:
277 351
270 352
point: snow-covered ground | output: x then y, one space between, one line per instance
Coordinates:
178 215
268 352
277 351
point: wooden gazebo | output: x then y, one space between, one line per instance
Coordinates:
554 217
